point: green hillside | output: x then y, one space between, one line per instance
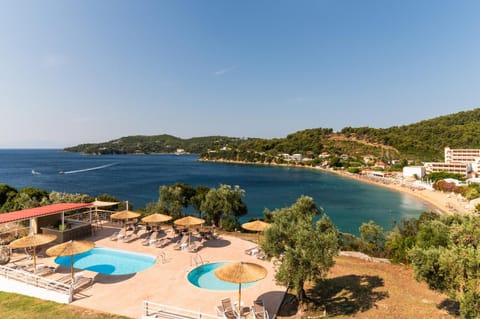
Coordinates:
141 144
424 140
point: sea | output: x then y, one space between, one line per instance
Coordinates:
137 178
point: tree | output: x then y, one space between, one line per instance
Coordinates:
223 201
372 236
452 266
199 197
175 198
305 248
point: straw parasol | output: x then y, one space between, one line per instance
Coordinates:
156 218
241 272
257 226
124 216
189 221
33 241
70 248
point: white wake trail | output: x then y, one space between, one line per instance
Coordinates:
87 169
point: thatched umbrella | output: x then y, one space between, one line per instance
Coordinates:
189 221
156 218
257 226
239 273
33 241
124 216
70 248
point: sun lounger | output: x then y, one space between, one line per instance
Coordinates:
132 236
195 246
182 243
227 310
260 255
116 236
79 281
160 243
43 270
259 311
251 251
146 240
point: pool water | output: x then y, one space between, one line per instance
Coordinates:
109 261
204 277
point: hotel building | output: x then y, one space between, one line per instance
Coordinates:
459 161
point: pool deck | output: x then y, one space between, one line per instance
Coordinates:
166 281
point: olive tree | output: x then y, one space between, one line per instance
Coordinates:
451 264
223 201
305 248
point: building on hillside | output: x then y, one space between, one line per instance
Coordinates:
464 169
461 155
297 157
413 171
459 161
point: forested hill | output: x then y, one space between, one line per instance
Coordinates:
141 144
424 140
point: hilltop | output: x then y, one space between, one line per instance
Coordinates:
423 141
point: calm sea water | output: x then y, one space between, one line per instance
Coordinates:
137 178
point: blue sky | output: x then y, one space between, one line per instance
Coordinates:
89 71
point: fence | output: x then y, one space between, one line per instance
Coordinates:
27 283
155 310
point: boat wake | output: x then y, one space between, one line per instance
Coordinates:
87 169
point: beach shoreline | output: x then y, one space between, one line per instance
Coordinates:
442 203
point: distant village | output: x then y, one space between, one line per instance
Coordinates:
465 162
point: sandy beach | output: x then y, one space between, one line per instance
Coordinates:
444 203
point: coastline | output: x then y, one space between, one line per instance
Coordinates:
442 203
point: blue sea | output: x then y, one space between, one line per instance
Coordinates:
137 178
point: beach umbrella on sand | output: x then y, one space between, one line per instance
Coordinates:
239 273
33 241
124 216
189 221
257 226
70 248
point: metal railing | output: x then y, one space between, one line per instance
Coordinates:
156 310
35 280
196 260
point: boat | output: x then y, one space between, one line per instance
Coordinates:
34 172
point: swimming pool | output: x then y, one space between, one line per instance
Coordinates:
204 277
109 261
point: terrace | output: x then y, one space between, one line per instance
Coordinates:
165 283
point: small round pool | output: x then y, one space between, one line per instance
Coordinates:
109 261
204 277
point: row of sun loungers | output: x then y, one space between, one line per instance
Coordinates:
227 311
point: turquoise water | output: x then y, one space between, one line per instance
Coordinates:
204 277
137 178
109 261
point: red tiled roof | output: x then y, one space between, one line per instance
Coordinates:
40 211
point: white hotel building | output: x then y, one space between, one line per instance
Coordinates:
458 161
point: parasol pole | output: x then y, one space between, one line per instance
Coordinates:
239 299
71 267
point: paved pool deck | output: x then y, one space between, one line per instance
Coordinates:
166 281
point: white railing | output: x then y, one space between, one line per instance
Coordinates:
156 310
34 280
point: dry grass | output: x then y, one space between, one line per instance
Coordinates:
362 289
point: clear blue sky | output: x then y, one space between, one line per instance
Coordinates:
89 71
